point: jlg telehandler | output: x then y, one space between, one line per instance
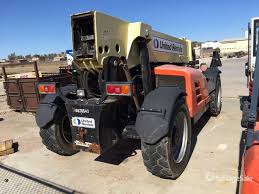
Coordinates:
132 82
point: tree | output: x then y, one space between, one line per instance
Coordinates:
217 49
51 56
20 57
28 56
196 43
42 58
36 56
12 57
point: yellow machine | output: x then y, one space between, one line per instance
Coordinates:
105 36
131 83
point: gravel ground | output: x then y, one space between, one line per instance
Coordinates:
213 167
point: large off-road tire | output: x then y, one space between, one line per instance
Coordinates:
216 99
168 157
57 136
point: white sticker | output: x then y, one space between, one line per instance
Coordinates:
83 122
164 45
84 144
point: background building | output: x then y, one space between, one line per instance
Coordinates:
197 51
208 47
210 44
2 60
207 52
230 46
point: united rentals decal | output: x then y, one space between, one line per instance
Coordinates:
164 45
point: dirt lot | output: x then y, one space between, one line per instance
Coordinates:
213 167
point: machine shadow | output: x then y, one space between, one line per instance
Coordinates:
197 128
126 148
122 150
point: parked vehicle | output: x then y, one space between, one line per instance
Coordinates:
132 82
240 54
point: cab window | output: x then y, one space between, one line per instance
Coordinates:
256 31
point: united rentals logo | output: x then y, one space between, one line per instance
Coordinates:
156 43
76 121
164 45
83 122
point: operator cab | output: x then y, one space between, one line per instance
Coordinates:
253 30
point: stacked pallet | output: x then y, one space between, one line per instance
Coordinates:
6 147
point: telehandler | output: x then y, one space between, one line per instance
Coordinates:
131 82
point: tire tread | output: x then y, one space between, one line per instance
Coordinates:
49 140
213 103
156 158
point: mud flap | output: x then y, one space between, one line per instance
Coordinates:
49 104
45 114
155 114
91 121
212 75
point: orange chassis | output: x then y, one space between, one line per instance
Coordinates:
249 183
196 87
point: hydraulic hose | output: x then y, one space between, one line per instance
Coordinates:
145 68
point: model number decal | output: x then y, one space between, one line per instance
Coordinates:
164 45
77 110
83 122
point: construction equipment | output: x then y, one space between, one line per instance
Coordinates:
132 82
250 120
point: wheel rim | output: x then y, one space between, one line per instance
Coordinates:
65 130
180 137
219 98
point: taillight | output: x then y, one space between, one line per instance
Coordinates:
47 88
120 89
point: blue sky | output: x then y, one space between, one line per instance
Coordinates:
43 26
